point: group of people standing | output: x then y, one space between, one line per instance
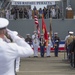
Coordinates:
37 42
13 46
20 12
42 43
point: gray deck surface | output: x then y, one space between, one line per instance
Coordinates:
46 66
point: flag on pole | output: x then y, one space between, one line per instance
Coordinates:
44 29
51 27
37 25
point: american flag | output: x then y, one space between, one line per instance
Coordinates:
37 25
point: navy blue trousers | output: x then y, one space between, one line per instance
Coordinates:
42 51
56 51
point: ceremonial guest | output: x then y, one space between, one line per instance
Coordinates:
42 45
35 41
10 51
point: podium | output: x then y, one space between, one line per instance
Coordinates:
69 14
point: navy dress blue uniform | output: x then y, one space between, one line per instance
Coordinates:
56 44
42 46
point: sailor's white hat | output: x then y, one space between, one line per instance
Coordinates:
35 31
27 34
3 23
55 33
71 32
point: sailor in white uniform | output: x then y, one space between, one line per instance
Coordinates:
17 61
48 48
35 41
10 51
8 39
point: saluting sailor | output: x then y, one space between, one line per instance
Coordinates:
8 39
10 51
35 41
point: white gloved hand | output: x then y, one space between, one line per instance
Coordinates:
20 42
13 35
12 32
